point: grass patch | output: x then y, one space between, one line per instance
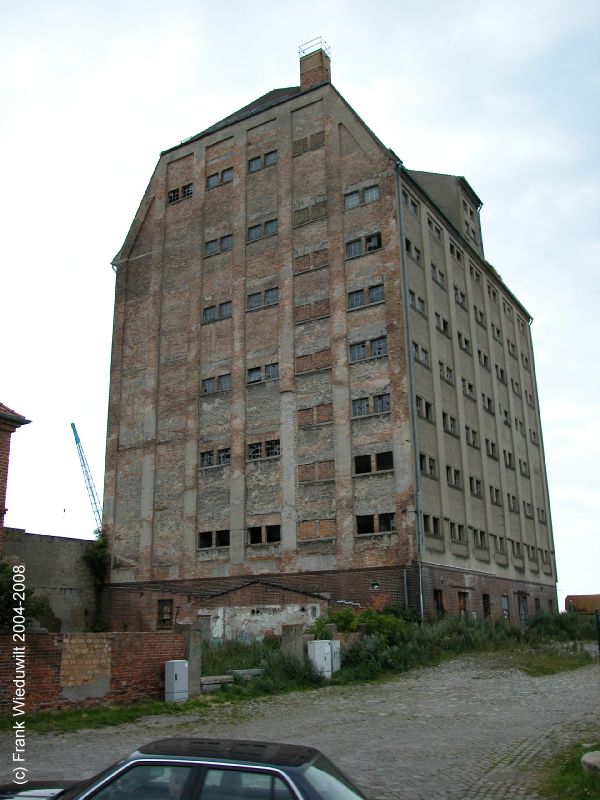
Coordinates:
551 660
563 777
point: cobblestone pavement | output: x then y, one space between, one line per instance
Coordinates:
470 728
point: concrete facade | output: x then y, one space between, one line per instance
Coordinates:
310 354
56 571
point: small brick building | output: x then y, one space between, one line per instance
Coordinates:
9 422
318 379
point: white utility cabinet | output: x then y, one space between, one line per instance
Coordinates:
176 681
324 655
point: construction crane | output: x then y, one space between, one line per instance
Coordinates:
89 481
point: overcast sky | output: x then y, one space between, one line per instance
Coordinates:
506 94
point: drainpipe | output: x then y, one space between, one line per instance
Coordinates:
411 386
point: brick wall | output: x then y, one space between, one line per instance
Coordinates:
63 670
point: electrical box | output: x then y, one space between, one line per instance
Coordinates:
176 681
324 655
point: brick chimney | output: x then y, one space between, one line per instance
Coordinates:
315 66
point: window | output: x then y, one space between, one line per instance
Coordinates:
206 458
271 296
523 467
438 276
360 407
491 448
224 455
513 503
438 603
222 538
379 347
460 297
492 293
412 250
487 402
424 408
365 523
164 615
205 539
520 426
255 534
427 465
456 253
420 354
512 348
434 229
416 302
475 486
507 309
209 314
211 247
446 373
384 461
496 333
376 293
362 464
516 548
509 459
358 351
272 533
172 196
525 361
224 382
214 246
254 375
373 242
254 232
271 227
495 496
541 512
468 389
381 403
356 299
527 509
352 200
464 343
449 423
353 248
271 371
187 190
410 203
501 374
371 194
254 300
255 451
431 525
387 522
216 179
516 387
271 158
533 436
254 164
529 399
442 324
272 448
456 531
479 316
453 477
484 359
487 608
475 273
208 385
471 436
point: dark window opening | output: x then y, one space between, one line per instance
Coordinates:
222 538
487 608
365 523
387 522
205 539
384 460
255 535
164 614
362 464
273 533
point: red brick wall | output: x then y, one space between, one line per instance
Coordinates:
136 668
5 434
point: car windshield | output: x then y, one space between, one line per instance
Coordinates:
329 781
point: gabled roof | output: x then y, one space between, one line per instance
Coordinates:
8 415
267 100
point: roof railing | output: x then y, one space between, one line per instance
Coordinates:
315 44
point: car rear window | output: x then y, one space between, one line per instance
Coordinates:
329 782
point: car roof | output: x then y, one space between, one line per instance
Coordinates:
271 753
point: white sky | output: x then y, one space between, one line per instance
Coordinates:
506 94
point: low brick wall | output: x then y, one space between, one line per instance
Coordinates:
63 670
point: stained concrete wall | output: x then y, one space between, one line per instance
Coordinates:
55 569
